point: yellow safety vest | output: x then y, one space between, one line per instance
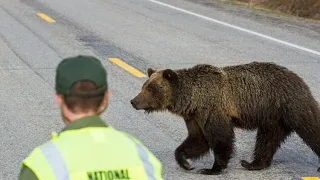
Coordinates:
93 153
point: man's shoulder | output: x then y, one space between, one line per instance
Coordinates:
26 171
127 136
124 134
36 150
116 131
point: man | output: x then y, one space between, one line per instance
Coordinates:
87 148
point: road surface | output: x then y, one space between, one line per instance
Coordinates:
142 33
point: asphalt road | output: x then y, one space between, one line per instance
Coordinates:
142 33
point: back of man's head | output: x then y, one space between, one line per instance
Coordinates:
82 82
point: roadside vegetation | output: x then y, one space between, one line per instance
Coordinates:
309 9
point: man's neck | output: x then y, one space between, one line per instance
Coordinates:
70 117
89 120
74 117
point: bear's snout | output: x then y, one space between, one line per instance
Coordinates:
134 103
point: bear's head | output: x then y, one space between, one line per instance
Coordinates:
156 92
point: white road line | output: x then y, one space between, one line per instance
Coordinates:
237 27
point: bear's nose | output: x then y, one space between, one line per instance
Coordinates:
133 103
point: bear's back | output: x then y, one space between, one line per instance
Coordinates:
264 76
266 87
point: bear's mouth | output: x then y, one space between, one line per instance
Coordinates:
148 110
151 110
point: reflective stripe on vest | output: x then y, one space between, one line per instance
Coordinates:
59 168
143 154
55 160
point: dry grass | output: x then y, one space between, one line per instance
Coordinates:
302 8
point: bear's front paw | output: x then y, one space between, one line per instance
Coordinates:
182 160
215 171
253 166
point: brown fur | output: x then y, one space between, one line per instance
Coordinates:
214 100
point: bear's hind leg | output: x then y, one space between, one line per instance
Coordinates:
267 143
311 136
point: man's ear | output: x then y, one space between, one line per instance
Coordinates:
150 71
105 102
106 99
170 75
58 98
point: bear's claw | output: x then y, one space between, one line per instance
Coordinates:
182 161
245 164
209 171
252 166
187 166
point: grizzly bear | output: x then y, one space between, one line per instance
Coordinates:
214 100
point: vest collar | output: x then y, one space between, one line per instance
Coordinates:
88 121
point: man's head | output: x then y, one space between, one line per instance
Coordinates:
81 87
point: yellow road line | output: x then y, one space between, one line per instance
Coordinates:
127 67
310 178
46 17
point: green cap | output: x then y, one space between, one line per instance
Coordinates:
73 69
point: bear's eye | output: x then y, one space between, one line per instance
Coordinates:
151 87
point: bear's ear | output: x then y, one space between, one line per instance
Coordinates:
150 71
170 75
